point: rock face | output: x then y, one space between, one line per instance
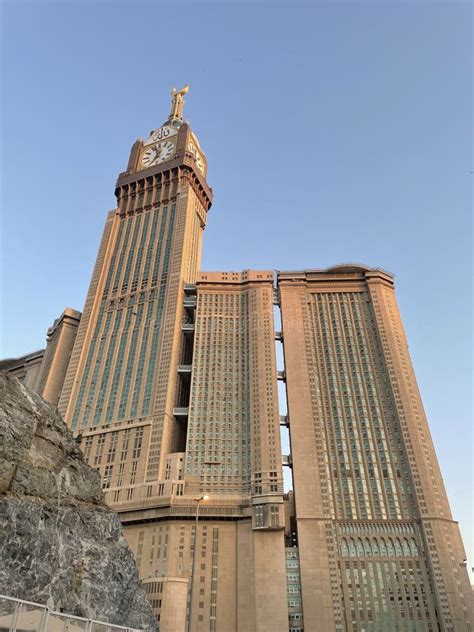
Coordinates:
60 544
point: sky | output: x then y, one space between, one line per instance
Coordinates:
334 132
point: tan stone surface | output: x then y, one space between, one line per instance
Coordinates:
369 495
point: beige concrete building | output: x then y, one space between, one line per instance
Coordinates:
44 371
26 368
228 409
378 547
172 390
60 341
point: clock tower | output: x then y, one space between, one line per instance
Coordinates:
123 384
170 392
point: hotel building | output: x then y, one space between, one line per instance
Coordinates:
172 391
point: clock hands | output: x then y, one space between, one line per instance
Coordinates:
158 153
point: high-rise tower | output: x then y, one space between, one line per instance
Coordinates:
171 388
378 547
122 383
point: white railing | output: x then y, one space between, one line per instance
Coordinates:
17 615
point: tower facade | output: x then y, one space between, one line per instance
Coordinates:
171 392
234 414
122 381
378 547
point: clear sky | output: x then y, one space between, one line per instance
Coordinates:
334 132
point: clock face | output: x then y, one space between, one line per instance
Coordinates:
150 156
158 153
166 150
199 161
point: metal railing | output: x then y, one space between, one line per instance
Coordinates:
17 615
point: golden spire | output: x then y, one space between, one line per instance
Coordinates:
178 102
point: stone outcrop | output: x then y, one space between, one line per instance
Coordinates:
60 544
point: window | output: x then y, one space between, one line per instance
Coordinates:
107 477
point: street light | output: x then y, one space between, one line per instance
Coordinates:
197 500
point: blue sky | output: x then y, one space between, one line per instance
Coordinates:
334 132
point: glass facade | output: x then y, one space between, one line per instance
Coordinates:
125 344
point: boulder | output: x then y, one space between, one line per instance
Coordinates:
60 544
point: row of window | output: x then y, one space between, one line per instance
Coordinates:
375 547
359 446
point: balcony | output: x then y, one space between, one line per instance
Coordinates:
189 288
187 328
185 369
286 460
189 301
281 375
284 421
181 412
279 336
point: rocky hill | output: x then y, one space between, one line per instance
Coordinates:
60 544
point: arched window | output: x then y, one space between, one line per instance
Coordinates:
360 548
390 547
375 547
406 548
398 547
413 547
367 548
344 548
352 548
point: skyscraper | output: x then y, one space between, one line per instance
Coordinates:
162 430
378 546
172 390
123 370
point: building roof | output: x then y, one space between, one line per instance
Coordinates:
10 363
340 268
